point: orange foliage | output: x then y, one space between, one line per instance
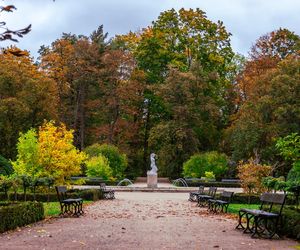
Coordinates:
251 175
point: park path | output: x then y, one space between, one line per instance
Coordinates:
137 220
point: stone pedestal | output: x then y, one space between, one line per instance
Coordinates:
151 180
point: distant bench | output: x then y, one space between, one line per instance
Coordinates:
88 180
231 180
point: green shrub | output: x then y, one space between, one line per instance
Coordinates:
291 222
272 183
5 184
117 160
209 176
293 177
5 166
198 164
13 215
98 166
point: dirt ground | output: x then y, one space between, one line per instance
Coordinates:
137 220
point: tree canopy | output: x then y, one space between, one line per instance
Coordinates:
175 87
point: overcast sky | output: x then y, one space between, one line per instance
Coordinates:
245 19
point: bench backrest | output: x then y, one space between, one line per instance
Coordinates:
102 186
269 199
227 196
212 191
61 193
201 190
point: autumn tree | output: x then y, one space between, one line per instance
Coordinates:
272 112
265 55
27 97
120 109
48 153
251 175
74 62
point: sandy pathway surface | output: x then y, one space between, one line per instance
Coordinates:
139 220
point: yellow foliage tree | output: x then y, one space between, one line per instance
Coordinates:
48 153
57 155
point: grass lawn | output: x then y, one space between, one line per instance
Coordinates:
53 208
234 208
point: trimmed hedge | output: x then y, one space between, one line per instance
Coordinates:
13 215
213 184
291 222
242 198
89 195
92 181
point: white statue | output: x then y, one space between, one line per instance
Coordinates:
153 165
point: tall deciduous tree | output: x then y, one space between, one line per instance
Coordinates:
265 54
191 123
74 62
27 97
266 91
180 40
272 111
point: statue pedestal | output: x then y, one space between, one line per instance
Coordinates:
151 180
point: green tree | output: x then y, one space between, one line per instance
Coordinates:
190 123
98 166
48 153
180 40
27 162
289 147
117 161
199 164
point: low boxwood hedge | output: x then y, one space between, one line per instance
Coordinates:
213 184
242 198
88 194
92 181
13 215
291 222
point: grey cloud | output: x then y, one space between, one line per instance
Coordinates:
245 19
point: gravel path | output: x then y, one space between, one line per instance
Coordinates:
139 220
